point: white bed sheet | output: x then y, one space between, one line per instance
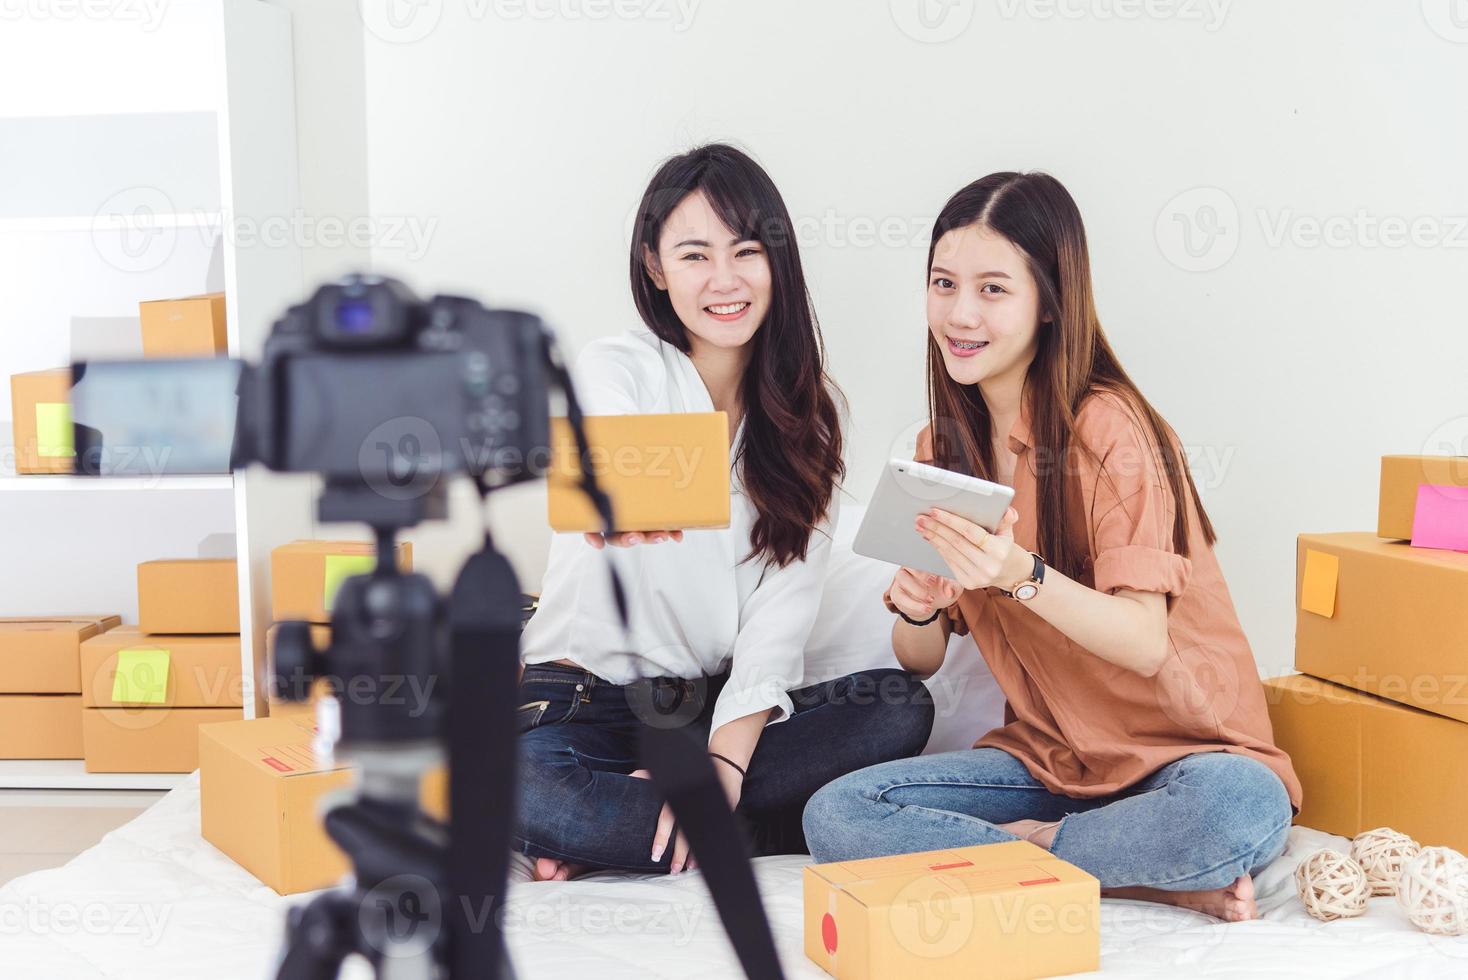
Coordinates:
154 901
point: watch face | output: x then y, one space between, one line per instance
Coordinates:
1027 591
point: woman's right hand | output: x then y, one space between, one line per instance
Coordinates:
629 538
920 594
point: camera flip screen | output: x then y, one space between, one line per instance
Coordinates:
154 418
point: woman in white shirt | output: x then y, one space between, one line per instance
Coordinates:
719 618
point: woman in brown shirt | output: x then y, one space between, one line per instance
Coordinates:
1137 744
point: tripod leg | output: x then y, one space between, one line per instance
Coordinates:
317 939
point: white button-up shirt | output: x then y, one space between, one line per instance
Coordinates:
694 608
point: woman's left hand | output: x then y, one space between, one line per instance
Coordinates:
978 558
683 859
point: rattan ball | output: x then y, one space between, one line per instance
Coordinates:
1382 853
1332 886
1434 891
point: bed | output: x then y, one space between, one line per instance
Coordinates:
155 901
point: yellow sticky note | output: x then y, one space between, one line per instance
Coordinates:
1317 591
340 568
142 676
54 435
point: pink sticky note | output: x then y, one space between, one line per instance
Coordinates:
1441 520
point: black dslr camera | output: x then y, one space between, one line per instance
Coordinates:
386 397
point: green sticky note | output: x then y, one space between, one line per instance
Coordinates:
54 436
142 676
339 568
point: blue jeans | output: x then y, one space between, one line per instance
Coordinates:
578 744
1196 824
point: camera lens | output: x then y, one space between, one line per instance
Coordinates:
354 316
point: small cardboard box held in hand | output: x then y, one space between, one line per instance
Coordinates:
999 911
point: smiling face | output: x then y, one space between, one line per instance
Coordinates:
983 306
718 283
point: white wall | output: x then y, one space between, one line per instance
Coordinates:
518 144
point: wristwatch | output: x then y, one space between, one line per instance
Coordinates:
1030 587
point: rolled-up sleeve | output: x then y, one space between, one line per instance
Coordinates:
774 626
1131 504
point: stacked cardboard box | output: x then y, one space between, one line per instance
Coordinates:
147 689
1378 729
41 400
40 404
193 326
41 684
305 577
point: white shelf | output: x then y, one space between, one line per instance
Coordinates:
110 222
72 774
48 483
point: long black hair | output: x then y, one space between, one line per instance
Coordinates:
790 456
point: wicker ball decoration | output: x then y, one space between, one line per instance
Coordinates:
1382 853
1434 891
1332 886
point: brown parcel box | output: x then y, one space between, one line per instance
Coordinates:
996 911
304 575
1399 626
1366 762
40 726
40 405
190 327
660 471
1400 478
260 787
40 655
202 671
147 739
189 595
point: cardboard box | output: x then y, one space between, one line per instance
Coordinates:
1385 618
259 787
40 726
42 655
147 739
189 595
998 911
305 575
662 472
279 706
1400 478
161 671
40 407
1367 762
193 326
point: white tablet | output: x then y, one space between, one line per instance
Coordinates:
888 532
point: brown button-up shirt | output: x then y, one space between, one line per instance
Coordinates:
1082 726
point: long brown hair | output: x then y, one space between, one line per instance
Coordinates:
1073 359
790 455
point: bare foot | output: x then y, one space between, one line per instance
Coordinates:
1232 904
1037 832
549 869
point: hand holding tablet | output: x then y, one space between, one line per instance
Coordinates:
906 492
